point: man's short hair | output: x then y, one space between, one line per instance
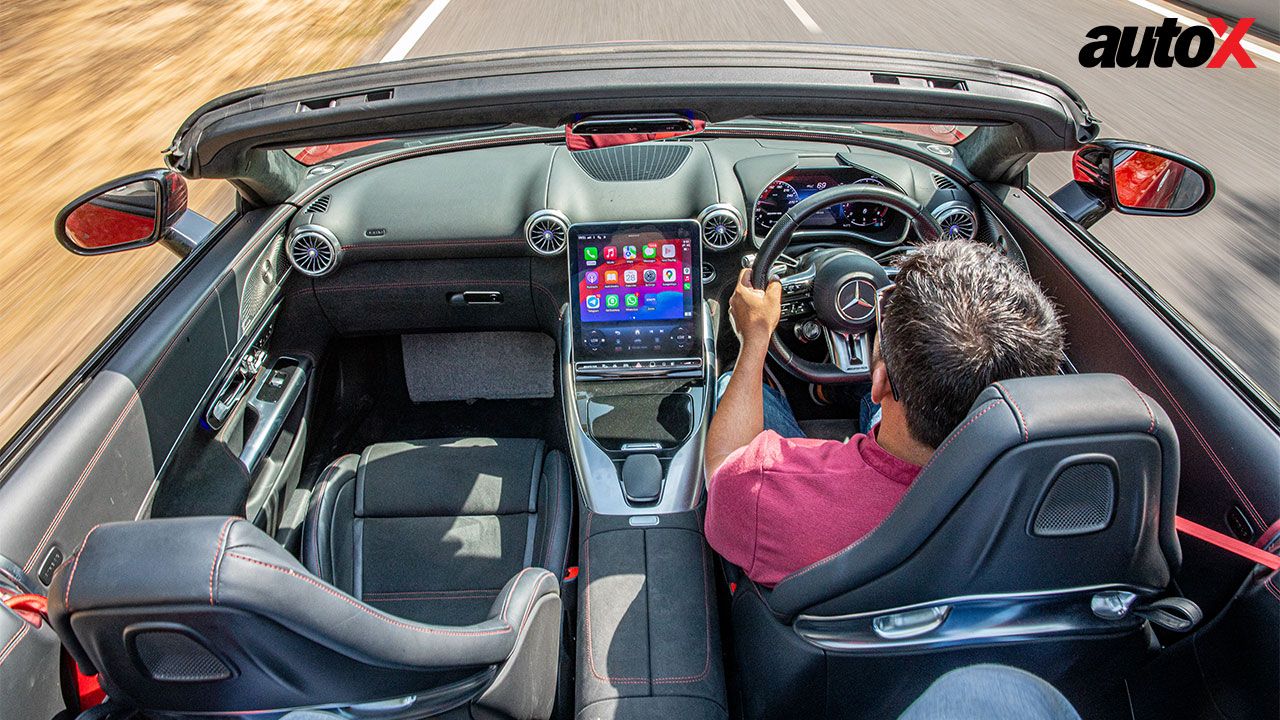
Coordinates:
962 317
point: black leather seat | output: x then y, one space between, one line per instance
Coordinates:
428 593
429 530
1039 525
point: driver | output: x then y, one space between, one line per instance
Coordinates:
960 317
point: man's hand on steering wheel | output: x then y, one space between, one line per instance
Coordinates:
755 313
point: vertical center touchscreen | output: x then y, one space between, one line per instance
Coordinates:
636 288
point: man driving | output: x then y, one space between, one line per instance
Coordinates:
959 317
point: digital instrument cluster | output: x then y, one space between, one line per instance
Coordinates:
871 220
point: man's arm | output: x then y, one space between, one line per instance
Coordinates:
739 418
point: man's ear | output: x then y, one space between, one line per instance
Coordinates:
880 390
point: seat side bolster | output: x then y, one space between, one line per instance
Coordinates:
513 604
317 538
555 514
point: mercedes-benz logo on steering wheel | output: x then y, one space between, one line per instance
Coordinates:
856 301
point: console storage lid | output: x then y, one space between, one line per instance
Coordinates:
649 637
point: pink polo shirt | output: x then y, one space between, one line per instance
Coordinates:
780 504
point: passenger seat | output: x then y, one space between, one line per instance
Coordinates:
431 530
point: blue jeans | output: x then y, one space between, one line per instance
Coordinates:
990 691
779 417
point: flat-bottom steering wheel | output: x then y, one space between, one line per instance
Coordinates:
836 287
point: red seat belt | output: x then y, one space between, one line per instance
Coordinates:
1228 543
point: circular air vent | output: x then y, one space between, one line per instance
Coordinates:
546 231
314 251
721 226
957 221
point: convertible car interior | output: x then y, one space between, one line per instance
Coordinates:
418 430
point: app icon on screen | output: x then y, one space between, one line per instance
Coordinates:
590 254
629 252
668 251
593 302
650 251
593 278
611 301
686 272
650 276
610 253
610 277
629 277
633 300
668 275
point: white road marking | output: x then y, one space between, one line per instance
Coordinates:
803 17
401 49
1252 47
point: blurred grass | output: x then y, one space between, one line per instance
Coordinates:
91 91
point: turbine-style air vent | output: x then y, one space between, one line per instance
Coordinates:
957 221
546 231
314 251
942 182
721 226
319 205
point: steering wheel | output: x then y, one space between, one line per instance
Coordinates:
835 287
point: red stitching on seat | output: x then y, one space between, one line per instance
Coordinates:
1271 588
217 551
66 595
1026 429
362 608
1150 413
13 642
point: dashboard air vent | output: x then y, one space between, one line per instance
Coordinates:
957 220
314 251
546 231
624 163
319 205
721 225
942 182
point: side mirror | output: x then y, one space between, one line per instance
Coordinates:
131 212
1136 179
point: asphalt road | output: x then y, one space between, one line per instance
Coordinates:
1220 268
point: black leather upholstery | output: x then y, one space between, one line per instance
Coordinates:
966 528
428 530
155 603
426 555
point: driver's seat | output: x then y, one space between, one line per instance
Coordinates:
1032 538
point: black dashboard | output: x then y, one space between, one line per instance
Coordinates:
491 236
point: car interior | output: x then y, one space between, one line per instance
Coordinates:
426 440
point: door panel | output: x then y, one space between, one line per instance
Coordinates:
1229 450
99 458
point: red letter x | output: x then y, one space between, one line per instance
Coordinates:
1231 43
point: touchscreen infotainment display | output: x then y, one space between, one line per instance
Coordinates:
635 288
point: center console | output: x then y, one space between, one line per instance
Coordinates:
637 347
637 374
